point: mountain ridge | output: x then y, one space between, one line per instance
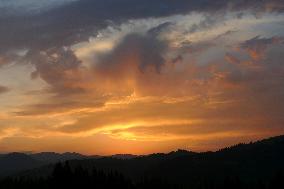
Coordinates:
267 153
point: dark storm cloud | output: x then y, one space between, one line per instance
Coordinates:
3 89
76 21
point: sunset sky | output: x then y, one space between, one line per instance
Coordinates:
133 76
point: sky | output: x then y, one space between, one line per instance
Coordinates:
131 76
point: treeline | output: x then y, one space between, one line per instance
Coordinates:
63 176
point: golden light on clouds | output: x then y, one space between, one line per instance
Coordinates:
148 85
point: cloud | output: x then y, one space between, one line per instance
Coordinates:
197 47
134 53
151 84
60 107
76 21
2 61
70 85
140 65
257 46
226 34
4 89
58 67
232 59
16 7
136 59
208 22
128 67
9 58
160 28
177 59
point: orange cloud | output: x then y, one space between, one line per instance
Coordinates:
134 94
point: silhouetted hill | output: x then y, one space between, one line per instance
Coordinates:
252 164
14 162
124 156
52 157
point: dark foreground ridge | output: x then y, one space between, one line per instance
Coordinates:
256 165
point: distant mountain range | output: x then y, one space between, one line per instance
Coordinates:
15 162
52 157
12 163
251 162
